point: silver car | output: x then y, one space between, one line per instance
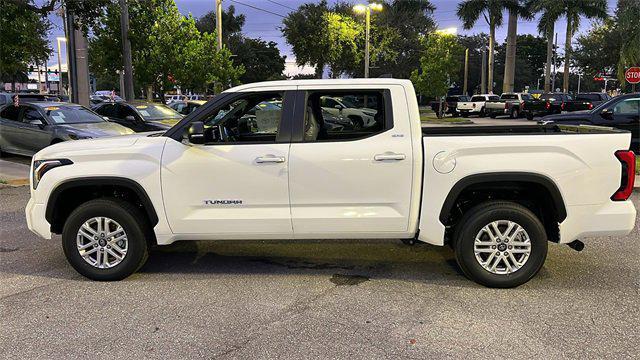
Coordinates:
29 127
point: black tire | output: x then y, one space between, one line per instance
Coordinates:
465 115
481 215
492 115
529 116
132 221
482 113
514 113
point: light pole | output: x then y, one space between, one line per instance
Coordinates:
219 23
59 39
367 9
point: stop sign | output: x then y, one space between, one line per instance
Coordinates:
632 75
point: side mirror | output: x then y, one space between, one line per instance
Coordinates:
38 123
607 114
196 132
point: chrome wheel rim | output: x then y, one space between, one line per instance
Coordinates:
502 247
102 242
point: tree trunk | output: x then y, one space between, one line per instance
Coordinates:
510 59
547 69
319 71
567 56
492 37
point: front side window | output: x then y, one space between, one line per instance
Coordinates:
359 114
31 114
627 107
255 117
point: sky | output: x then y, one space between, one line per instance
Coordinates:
264 17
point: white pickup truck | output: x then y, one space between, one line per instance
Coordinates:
476 106
235 169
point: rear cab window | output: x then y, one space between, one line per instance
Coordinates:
345 115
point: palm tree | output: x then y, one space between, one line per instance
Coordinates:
516 9
469 12
573 10
551 10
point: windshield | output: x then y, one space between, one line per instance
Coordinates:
67 114
151 112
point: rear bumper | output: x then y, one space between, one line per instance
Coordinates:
36 221
610 219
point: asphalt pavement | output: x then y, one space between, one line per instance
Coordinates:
318 299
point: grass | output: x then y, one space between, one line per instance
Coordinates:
3 181
430 117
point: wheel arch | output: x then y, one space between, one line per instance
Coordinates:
491 184
91 188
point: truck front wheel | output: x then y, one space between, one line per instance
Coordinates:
105 239
500 244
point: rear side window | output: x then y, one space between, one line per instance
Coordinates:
494 98
10 113
106 110
344 116
477 98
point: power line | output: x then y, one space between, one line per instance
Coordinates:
259 9
283 5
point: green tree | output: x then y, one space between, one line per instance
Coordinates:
550 11
573 11
167 49
475 44
469 11
305 29
260 59
599 49
23 41
628 15
439 65
87 12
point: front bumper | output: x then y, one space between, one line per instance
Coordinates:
36 221
614 218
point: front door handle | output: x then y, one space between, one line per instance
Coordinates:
389 156
270 159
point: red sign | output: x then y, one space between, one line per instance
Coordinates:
632 75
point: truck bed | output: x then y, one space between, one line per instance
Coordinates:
465 130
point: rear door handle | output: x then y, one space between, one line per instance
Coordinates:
389 156
270 159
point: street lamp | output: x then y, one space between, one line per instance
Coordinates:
59 39
367 9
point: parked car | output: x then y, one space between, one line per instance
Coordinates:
168 99
622 112
450 104
30 127
340 107
496 195
475 106
595 98
6 98
515 105
560 102
186 107
140 116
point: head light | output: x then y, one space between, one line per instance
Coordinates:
40 167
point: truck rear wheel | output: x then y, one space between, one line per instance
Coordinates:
105 239
514 114
500 244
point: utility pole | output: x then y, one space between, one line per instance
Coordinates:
127 75
555 60
466 71
78 63
483 76
219 22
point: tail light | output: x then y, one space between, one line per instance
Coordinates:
521 105
628 160
506 105
562 106
590 106
548 105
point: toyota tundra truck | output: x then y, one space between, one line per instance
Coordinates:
234 169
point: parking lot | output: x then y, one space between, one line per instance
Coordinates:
317 299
